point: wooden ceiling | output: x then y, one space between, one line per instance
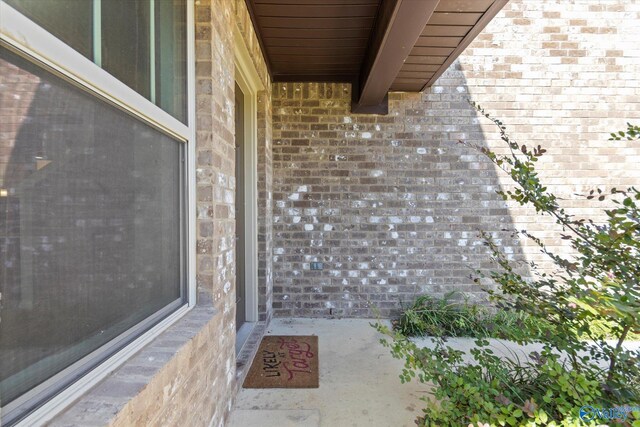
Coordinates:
402 45
314 40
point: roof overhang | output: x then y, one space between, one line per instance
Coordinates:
377 45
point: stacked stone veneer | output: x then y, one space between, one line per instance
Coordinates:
392 204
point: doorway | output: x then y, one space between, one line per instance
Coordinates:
247 86
241 310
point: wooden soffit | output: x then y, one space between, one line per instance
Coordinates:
377 45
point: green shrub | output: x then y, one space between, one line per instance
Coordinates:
600 285
447 317
450 317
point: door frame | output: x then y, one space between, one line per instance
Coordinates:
246 76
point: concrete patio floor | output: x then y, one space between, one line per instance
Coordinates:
359 383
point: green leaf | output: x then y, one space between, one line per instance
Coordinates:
543 416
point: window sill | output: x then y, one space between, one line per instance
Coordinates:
103 402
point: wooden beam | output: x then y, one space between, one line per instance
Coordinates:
397 27
471 35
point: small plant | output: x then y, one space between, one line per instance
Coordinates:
450 317
447 317
594 296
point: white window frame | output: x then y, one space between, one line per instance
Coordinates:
21 34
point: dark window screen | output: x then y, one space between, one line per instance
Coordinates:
91 236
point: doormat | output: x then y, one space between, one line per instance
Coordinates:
285 362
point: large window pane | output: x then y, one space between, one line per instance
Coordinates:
143 43
171 57
126 42
91 241
68 20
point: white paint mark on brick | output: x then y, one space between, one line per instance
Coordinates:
376 173
294 196
228 197
308 227
303 189
346 119
422 150
366 135
428 219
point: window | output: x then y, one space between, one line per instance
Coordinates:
93 188
141 42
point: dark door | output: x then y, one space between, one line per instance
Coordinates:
240 211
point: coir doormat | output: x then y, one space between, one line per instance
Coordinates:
285 362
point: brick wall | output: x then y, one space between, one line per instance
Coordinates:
265 207
392 205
